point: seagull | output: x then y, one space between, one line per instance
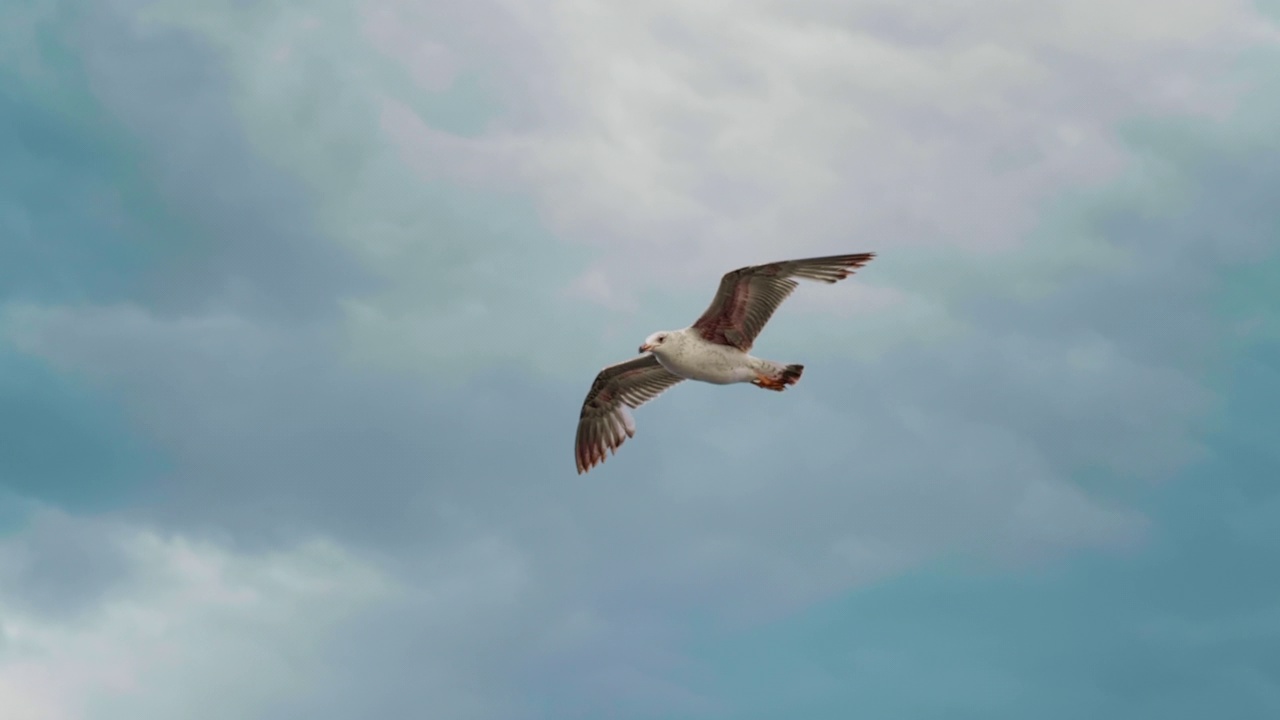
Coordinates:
714 349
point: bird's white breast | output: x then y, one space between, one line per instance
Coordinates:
693 358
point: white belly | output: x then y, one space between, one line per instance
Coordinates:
710 363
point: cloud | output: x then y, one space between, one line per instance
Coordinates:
724 138
161 200
63 442
192 629
375 338
1181 629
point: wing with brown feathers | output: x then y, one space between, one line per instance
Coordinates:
605 422
748 296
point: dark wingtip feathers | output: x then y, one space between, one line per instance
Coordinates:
833 268
847 265
791 374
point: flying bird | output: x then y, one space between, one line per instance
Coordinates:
714 349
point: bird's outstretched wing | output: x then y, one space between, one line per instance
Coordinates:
748 296
605 422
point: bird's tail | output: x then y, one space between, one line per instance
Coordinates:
791 374
776 376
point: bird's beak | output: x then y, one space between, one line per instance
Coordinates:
645 348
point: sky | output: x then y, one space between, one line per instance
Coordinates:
299 302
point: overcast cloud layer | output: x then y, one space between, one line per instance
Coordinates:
298 302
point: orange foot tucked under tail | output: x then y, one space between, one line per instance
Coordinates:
789 375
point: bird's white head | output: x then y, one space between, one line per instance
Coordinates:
656 341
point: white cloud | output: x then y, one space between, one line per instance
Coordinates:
665 143
723 134
193 629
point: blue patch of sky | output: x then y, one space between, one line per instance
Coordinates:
63 443
69 193
69 198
